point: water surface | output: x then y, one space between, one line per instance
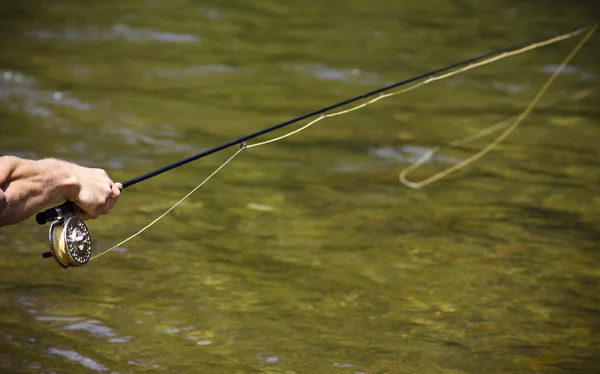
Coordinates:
307 255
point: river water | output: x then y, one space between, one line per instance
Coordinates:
306 255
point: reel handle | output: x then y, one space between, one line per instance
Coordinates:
53 213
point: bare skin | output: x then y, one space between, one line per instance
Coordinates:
27 186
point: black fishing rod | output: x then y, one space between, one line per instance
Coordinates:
69 207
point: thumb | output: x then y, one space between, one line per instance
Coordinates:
116 190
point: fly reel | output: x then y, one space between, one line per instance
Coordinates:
70 242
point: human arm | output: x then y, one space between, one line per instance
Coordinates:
27 186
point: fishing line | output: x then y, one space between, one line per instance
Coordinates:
466 140
173 207
431 79
519 119
73 238
434 78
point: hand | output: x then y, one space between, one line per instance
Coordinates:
96 193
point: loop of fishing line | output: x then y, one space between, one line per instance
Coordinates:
66 245
517 121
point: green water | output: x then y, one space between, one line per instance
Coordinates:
307 255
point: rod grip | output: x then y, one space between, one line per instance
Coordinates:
51 214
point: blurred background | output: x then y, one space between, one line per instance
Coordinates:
306 255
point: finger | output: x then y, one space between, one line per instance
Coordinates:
119 185
108 205
116 192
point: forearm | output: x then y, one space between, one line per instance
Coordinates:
28 186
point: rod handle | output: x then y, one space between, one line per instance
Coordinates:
53 213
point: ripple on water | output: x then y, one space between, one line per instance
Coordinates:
323 72
344 365
569 69
136 138
26 300
30 155
120 249
197 70
260 207
408 153
74 356
509 87
57 319
93 327
119 340
22 93
403 155
211 14
116 32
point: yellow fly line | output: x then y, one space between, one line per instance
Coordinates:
510 124
514 123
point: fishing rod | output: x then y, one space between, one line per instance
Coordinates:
69 237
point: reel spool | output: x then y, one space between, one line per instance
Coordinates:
70 242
